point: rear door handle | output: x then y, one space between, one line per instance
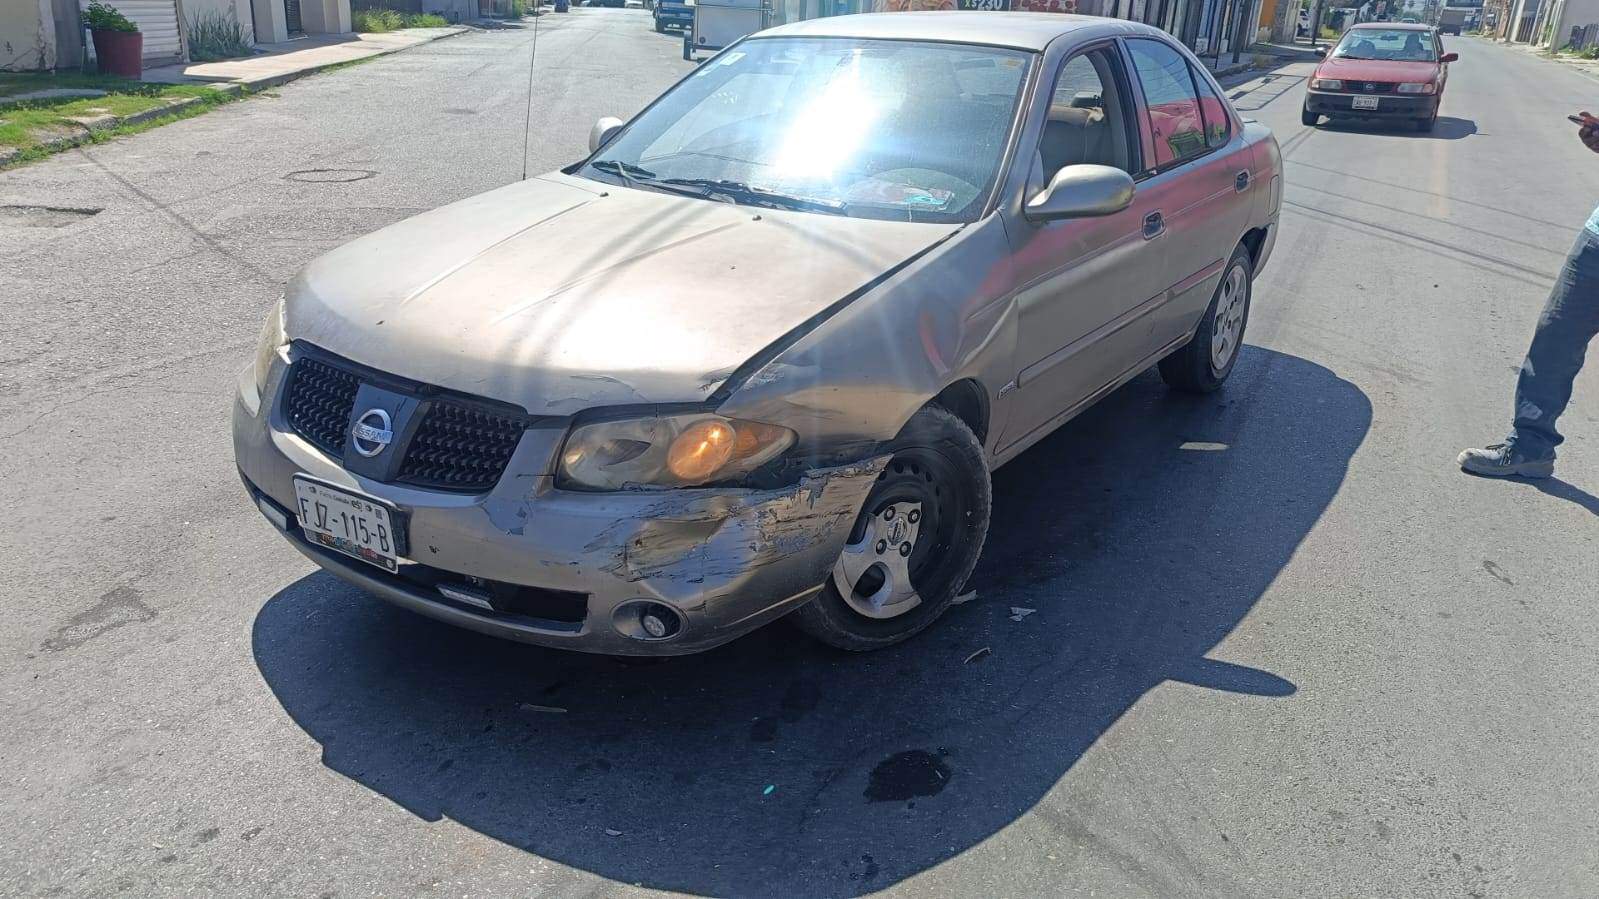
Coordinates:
1241 183
1154 225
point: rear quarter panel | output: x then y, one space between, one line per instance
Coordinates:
1267 171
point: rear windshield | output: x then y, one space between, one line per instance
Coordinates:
1397 44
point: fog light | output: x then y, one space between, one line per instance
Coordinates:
642 619
653 625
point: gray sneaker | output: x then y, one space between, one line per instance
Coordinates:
1503 460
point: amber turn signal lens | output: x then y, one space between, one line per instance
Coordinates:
701 450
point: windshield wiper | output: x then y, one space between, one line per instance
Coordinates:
740 192
624 170
637 176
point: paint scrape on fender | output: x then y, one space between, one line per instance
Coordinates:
712 541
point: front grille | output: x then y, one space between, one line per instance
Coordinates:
459 447
461 444
1370 87
318 404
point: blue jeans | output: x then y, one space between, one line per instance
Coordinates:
1569 321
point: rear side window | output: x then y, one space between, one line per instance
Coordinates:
1218 127
1174 114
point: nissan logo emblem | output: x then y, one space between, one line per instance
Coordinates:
371 432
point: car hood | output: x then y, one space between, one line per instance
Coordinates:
1376 70
560 294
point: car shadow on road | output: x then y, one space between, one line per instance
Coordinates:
1141 534
1446 128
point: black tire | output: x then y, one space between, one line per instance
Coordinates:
659 28
1426 125
1191 368
1309 119
939 462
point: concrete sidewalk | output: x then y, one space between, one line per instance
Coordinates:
303 57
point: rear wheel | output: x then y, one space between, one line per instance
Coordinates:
659 28
1309 119
1205 361
914 543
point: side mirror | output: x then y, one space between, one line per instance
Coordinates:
1449 57
603 131
1082 191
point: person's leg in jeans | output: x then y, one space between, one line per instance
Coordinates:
1570 320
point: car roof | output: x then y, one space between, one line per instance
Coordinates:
1021 30
1390 26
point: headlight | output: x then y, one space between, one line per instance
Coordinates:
1326 84
667 451
266 348
1418 87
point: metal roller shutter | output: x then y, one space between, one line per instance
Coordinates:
158 20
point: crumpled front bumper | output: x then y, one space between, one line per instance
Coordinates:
726 560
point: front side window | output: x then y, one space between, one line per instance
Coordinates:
1086 121
1395 44
873 129
1174 116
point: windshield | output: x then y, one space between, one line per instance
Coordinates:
1397 44
872 129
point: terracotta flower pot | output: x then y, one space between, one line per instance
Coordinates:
119 52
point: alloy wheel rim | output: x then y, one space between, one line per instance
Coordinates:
873 572
1228 327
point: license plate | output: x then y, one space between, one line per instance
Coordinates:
1365 103
347 522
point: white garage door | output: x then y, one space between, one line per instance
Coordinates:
158 20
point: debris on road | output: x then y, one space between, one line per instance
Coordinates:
612 833
770 788
549 709
964 598
977 655
1017 613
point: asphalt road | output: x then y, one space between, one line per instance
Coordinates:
1316 661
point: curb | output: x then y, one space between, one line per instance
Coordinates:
93 124
267 81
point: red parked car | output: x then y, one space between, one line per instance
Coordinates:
1381 70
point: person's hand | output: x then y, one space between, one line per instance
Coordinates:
1589 132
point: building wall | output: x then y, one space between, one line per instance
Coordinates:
1574 14
453 10
1522 14
27 36
316 16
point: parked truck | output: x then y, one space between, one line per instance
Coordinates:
1451 19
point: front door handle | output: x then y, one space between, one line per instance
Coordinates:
1154 225
1241 183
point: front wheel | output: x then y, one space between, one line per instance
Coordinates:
1426 125
659 28
914 543
1309 119
1205 361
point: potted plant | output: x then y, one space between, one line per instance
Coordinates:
118 45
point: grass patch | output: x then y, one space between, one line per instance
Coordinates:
377 21
27 125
